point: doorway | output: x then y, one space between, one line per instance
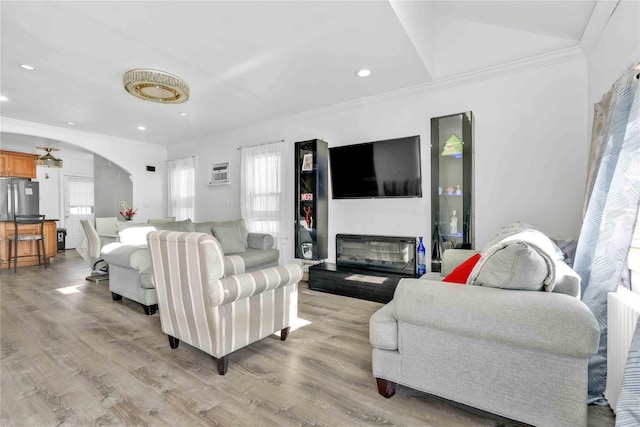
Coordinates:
78 204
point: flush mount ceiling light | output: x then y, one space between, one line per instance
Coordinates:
47 159
363 73
156 86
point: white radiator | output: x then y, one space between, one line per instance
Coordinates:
623 311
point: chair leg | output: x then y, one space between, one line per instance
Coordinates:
44 253
284 333
386 388
173 341
38 251
222 364
150 309
116 297
15 257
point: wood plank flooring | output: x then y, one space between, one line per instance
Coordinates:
72 356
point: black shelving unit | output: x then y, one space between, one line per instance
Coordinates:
312 207
451 184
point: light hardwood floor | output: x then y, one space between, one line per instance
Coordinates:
72 356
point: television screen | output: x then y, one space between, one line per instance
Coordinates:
388 168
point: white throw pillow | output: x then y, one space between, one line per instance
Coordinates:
518 257
231 239
513 266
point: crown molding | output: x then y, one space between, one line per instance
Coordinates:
513 67
71 136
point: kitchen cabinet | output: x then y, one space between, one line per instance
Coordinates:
19 165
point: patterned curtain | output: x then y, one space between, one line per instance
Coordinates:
613 198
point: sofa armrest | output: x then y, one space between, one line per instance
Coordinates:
136 257
260 241
233 264
383 329
538 321
451 258
567 280
233 288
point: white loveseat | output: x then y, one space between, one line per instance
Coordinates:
521 354
131 270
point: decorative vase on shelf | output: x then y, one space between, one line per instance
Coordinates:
453 223
422 255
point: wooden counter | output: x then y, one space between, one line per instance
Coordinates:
28 249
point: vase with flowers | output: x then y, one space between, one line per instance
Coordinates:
127 211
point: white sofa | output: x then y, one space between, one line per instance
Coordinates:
520 354
131 270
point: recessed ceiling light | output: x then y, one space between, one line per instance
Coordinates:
142 128
182 114
71 123
28 67
364 73
3 98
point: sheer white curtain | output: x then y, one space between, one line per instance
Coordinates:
263 199
181 188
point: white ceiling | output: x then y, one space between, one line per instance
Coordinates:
251 61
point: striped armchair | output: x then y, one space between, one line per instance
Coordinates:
207 300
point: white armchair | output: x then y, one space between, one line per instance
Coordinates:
206 300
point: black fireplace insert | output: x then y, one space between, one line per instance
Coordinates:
390 254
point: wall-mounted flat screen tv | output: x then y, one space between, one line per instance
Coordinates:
379 169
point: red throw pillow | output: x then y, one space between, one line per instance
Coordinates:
461 273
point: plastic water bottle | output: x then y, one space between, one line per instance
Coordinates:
422 255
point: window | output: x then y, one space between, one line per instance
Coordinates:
181 176
262 189
263 203
81 200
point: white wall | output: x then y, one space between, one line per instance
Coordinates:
530 155
616 50
113 185
149 188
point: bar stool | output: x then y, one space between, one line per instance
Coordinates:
1 260
37 235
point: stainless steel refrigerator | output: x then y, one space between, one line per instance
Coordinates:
18 196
